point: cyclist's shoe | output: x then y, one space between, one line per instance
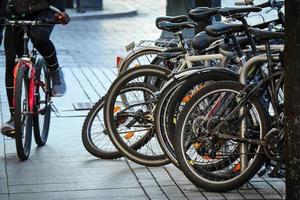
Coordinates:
8 128
58 83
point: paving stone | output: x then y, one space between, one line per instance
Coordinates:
128 193
155 193
192 192
213 196
266 190
3 186
2 156
4 197
279 186
233 195
173 192
250 194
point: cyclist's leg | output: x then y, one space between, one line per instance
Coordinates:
13 46
41 39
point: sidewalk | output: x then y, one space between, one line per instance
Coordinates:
63 169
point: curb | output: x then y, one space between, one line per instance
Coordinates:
112 10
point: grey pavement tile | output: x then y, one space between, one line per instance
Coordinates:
4 197
213 196
2 156
250 194
173 192
191 190
62 175
128 193
233 195
148 182
266 190
2 174
279 186
155 193
3 186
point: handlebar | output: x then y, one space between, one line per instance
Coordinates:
42 21
7 22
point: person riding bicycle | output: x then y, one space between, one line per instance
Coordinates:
40 37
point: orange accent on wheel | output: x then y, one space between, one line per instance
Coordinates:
117 109
236 168
129 135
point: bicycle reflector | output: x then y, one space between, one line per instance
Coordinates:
119 60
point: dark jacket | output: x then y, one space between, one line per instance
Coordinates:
33 6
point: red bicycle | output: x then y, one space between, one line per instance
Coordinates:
32 92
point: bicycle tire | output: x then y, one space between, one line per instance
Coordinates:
136 55
41 125
123 79
169 101
88 141
21 130
185 164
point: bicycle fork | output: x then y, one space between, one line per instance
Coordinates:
31 83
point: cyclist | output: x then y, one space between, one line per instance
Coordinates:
40 37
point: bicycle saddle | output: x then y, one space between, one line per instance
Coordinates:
221 28
174 19
266 35
201 41
226 12
175 27
203 13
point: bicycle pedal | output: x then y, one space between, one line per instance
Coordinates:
55 110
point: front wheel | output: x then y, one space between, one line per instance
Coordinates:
22 115
42 112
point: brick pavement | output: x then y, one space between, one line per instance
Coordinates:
63 169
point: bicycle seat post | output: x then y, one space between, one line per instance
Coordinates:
181 39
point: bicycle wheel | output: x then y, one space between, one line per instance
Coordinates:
140 57
42 110
172 100
22 115
196 144
133 117
95 136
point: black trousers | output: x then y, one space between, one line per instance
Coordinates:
13 45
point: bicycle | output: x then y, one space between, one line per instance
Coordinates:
32 92
229 123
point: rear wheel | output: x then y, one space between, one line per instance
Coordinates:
42 115
22 116
195 148
172 101
95 136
